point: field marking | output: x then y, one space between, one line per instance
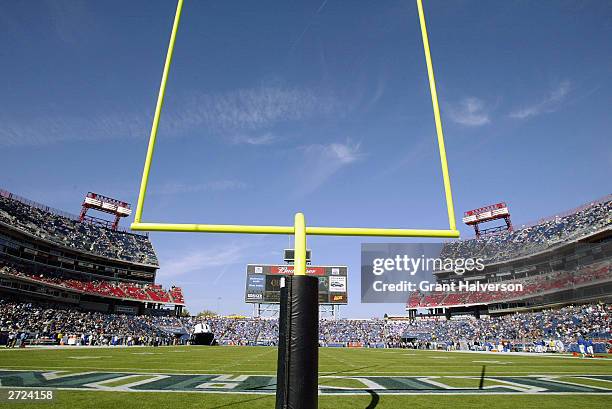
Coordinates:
494 362
369 384
126 387
510 385
223 382
557 380
49 376
146 353
596 379
441 366
357 392
138 370
230 381
514 385
561 355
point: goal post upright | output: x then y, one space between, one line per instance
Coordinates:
299 263
158 108
437 119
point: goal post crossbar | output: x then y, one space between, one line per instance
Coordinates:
309 230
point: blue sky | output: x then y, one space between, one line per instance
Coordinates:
274 107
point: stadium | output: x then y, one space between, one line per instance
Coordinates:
78 298
278 109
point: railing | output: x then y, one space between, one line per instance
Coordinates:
31 203
574 234
493 230
565 213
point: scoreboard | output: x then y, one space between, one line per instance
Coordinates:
263 283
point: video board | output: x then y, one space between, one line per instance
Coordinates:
264 280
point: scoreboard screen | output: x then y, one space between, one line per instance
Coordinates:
263 283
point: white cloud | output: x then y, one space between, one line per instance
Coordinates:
549 104
208 260
470 111
240 116
299 38
248 114
344 153
263 139
46 130
208 264
321 162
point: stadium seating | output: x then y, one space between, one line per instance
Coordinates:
47 224
546 235
59 230
538 237
565 326
106 288
70 326
532 286
177 295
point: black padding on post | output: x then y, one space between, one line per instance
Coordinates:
281 366
303 356
300 364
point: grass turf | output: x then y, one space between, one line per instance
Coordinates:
332 362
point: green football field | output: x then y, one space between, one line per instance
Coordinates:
243 377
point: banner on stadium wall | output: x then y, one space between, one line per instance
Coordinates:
288 270
126 309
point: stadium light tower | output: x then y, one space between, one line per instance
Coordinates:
104 204
487 214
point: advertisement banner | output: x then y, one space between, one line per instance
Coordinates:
337 284
288 270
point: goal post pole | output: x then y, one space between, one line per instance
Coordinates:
436 110
299 267
158 108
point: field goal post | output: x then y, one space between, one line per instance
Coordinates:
299 228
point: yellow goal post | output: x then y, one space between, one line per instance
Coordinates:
299 228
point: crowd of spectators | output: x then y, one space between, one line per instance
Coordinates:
567 325
563 326
539 237
54 324
531 286
242 331
73 234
